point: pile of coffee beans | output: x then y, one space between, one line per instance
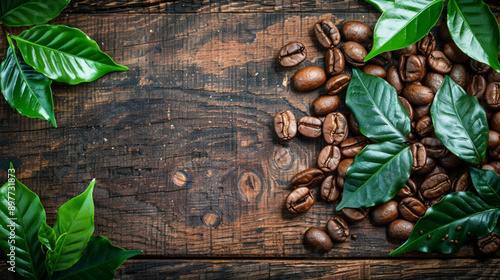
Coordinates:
416 72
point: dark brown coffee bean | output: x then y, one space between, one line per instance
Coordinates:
411 49
350 147
493 139
454 53
375 70
292 54
409 189
479 67
419 155
354 53
495 121
336 84
427 44
356 31
334 61
318 239
399 229
355 214
325 104
385 213
435 185
494 153
329 158
382 59
424 126
353 125
307 178
428 167
450 161
418 94
489 244
462 183
327 33
408 108
310 127
489 167
493 76
411 209
337 229
459 75
393 79
433 81
493 96
438 169
434 146
309 78
410 68
444 33
438 62
421 111
329 189
299 200
335 128
285 125
476 86
423 59
342 170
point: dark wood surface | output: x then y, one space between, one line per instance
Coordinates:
187 164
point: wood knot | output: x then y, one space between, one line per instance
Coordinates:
211 219
283 158
250 185
181 179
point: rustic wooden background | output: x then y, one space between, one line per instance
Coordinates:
187 164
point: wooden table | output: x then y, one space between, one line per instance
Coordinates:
183 149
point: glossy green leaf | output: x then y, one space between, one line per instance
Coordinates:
8 5
31 12
381 5
404 23
460 122
376 175
487 184
460 215
475 30
74 226
21 210
26 89
47 236
376 108
99 261
64 54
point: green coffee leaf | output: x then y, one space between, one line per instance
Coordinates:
458 217
487 184
30 12
376 108
404 23
64 54
376 175
460 122
381 5
475 30
47 236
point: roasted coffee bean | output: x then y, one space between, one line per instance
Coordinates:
355 214
454 53
356 31
496 165
487 109
411 49
408 108
334 61
329 158
489 167
459 75
299 200
476 86
318 239
309 78
385 213
418 94
493 76
329 189
424 126
429 202
335 128
435 186
307 178
462 183
375 70
354 53
419 155
494 152
421 111
495 121
310 127
337 229
350 147
411 209
493 139
399 229
342 170
489 244
410 68
327 33
450 161
479 67
285 125
429 165
353 125
438 169
336 84
433 81
427 44
438 62
409 189
325 104
434 146
292 54
423 59
393 79
493 96
444 33
382 59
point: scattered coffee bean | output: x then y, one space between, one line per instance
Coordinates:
334 62
318 239
354 53
309 78
336 84
292 54
299 200
337 229
335 128
399 229
329 158
385 213
356 31
285 125
310 127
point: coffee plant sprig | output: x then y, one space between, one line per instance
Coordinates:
472 25
66 251
44 53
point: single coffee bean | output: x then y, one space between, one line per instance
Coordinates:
424 126
438 62
419 155
427 44
292 54
350 147
421 111
325 104
429 165
450 161
493 96
329 158
433 81
462 183
435 185
476 86
329 189
418 94
342 170
336 84
454 53
487 109
495 121
382 59
444 33
310 127
327 33
409 189
385 213
495 164
408 108
410 68
479 67
285 125
489 244
423 59
334 61
335 128
434 147
353 125
318 239
493 76
355 214
309 78
494 153
400 229
375 70
337 229
356 31
411 209
393 79
459 75
411 49
354 53
307 178
299 200
493 139
489 167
